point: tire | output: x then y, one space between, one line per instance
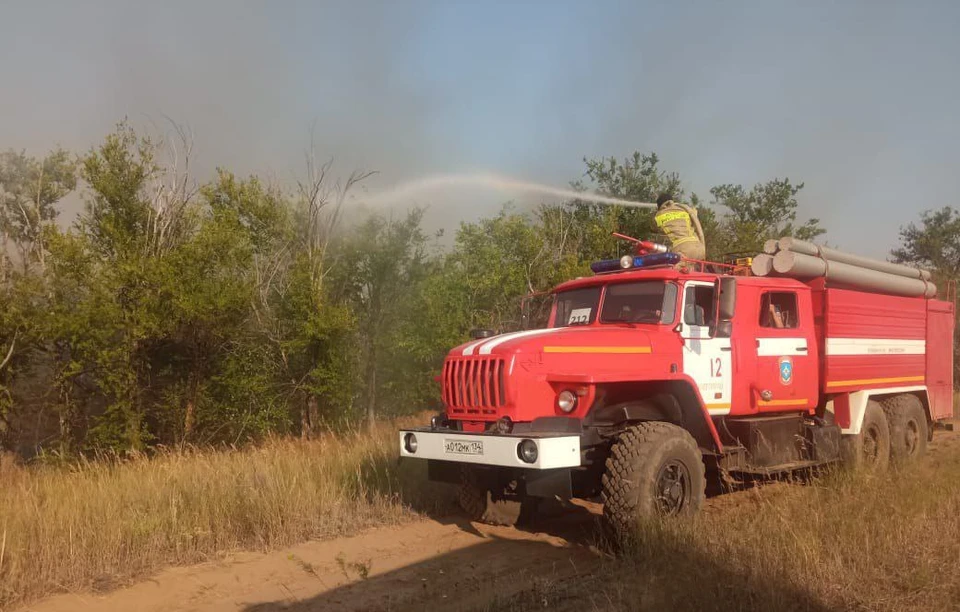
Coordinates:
870 449
908 427
654 469
481 504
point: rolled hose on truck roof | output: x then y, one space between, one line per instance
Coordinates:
762 265
803 260
808 248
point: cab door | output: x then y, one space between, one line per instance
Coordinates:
706 359
786 378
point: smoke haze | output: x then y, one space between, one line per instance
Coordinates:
856 99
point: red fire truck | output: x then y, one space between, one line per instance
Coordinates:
647 381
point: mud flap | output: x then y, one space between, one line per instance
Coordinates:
825 440
548 483
443 471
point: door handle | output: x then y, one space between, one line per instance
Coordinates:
802 348
726 348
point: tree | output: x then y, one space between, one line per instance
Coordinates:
501 259
381 267
586 228
307 325
29 192
22 297
637 178
207 288
111 312
768 210
117 313
934 244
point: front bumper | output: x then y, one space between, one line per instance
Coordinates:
553 450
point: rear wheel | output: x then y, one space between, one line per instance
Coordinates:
870 448
654 469
908 427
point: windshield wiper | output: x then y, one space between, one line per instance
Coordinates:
634 320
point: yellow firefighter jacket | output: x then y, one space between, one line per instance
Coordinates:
680 223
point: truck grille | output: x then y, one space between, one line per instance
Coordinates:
474 385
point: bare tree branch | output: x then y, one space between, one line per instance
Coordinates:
9 356
172 188
323 207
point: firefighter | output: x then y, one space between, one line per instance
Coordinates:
681 225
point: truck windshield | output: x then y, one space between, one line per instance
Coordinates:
577 307
640 302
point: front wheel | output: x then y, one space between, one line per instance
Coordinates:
654 469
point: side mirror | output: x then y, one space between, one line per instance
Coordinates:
728 298
726 305
478 334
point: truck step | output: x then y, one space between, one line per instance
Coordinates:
728 451
778 469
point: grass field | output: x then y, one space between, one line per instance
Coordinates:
99 524
843 541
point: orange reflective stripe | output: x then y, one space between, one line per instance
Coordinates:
613 350
873 381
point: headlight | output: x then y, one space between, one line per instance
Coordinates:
567 400
410 443
527 451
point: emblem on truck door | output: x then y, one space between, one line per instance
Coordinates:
785 364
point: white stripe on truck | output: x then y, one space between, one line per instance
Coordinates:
779 347
838 347
484 347
468 350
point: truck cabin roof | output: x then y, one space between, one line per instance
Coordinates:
670 274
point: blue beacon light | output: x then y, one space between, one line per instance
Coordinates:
635 261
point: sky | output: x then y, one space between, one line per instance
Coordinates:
856 99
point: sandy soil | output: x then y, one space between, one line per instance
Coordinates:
437 564
452 565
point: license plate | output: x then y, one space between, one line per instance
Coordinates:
463 447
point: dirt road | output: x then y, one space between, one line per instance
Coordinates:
452 565
443 565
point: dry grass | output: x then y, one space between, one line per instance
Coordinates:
100 524
851 542
843 542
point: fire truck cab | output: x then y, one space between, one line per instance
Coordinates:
647 381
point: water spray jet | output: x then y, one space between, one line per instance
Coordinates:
490 181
